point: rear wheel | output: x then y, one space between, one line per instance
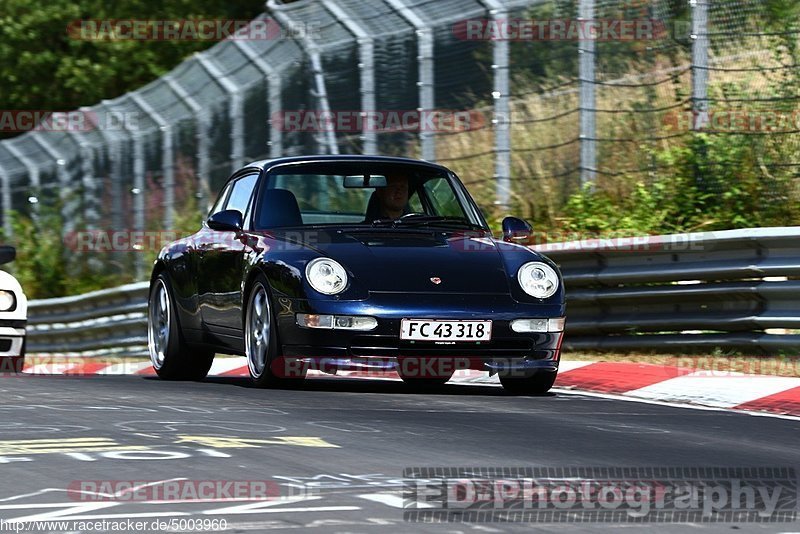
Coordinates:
537 384
171 357
261 342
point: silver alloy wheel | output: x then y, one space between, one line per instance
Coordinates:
158 323
258 329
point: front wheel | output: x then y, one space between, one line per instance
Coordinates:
537 384
261 341
169 354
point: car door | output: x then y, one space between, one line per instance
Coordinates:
222 264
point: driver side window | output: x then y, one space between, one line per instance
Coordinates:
219 205
236 195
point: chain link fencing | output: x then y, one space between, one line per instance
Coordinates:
530 100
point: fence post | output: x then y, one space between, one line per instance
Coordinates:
33 173
586 75
366 68
5 181
274 90
167 159
89 197
235 110
502 110
138 192
327 140
114 143
427 90
65 189
699 63
201 135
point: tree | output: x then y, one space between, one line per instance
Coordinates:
44 68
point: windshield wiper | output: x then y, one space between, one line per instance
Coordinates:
421 219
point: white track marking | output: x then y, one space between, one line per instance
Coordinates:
226 365
567 366
129 368
392 499
611 396
718 391
50 368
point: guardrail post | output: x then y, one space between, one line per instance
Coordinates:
586 75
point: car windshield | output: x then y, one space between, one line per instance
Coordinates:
364 196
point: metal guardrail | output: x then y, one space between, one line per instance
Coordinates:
731 289
106 322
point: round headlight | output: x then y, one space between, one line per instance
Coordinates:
326 276
538 279
7 300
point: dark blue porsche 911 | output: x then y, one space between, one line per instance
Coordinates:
355 263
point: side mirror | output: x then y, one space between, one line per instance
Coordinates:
226 221
516 230
7 254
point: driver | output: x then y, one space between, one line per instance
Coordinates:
393 199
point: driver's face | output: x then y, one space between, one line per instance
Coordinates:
395 195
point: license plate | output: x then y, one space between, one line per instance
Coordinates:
432 330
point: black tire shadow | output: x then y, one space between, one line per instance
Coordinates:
376 386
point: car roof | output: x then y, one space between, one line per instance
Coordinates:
268 163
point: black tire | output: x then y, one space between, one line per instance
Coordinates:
172 359
264 360
537 384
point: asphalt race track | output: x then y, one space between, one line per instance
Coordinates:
337 447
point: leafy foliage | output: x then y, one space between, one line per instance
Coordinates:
37 54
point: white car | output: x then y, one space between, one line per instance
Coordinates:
13 317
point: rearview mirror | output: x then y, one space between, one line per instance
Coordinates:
7 254
226 221
516 230
364 180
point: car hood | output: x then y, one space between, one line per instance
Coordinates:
413 261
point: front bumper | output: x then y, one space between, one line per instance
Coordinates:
382 347
12 339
